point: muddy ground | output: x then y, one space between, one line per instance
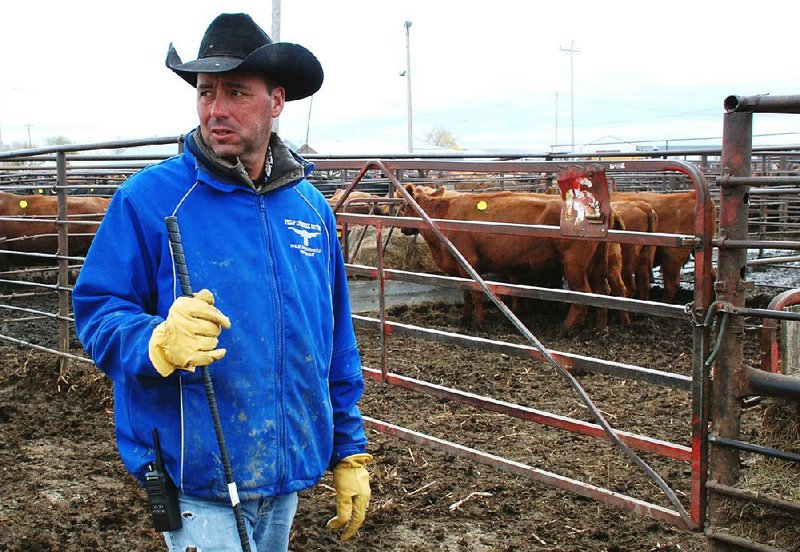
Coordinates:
64 488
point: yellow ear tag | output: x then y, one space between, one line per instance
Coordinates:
23 203
41 191
482 205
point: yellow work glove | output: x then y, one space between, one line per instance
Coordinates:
188 337
351 481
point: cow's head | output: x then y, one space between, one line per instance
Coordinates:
420 194
408 211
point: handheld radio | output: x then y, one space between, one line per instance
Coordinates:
161 493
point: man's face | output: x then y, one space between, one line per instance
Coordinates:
236 111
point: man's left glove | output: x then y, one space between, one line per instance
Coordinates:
351 481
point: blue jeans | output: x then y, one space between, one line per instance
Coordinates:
207 525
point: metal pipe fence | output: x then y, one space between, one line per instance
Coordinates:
772 217
36 251
734 381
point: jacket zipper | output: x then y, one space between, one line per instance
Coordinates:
280 422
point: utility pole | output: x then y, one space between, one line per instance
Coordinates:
30 144
308 122
407 25
556 139
276 37
571 51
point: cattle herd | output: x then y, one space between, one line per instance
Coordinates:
595 266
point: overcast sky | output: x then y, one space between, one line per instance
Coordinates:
492 73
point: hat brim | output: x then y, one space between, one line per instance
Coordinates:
285 64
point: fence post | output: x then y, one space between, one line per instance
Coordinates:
63 262
727 376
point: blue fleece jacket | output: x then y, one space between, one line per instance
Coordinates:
288 387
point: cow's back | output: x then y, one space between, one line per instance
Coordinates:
676 215
495 252
675 210
38 232
368 207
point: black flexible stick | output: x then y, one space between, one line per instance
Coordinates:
176 246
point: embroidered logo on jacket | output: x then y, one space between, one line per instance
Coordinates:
307 232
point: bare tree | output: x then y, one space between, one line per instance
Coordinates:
58 141
442 138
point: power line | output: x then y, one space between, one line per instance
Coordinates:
657 110
662 140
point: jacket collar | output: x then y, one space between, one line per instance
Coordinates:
287 169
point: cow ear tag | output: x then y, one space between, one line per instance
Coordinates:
482 205
23 203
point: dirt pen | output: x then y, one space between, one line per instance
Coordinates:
481 441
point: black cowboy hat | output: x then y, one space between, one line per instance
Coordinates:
235 41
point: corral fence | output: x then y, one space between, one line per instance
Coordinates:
29 269
732 382
711 450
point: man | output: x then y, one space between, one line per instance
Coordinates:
260 241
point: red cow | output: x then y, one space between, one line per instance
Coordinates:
367 204
38 233
506 254
635 261
676 215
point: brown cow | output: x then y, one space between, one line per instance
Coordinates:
364 204
635 261
38 233
505 254
676 215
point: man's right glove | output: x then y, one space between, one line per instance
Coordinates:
188 337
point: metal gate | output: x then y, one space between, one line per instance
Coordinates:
689 516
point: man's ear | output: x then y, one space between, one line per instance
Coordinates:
278 96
